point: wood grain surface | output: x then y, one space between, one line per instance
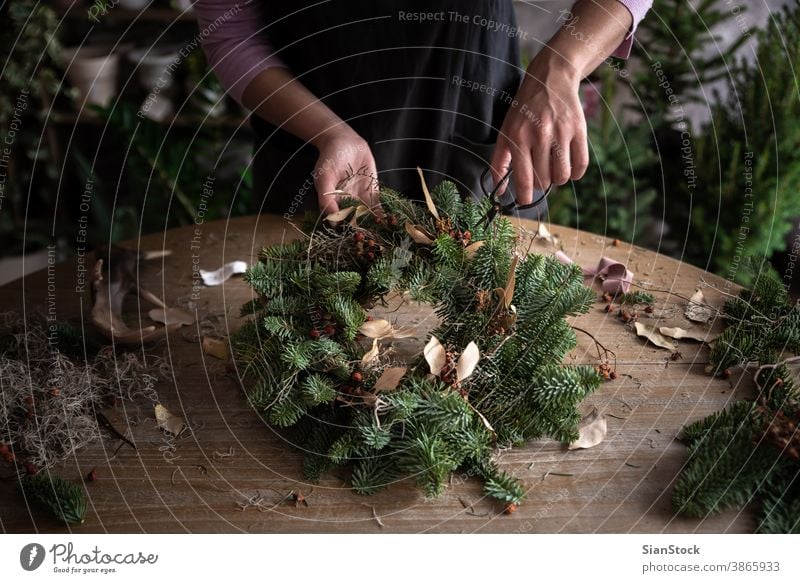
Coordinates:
229 458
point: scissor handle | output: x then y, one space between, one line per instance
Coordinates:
506 177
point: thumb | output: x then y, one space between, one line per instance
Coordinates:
324 184
501 162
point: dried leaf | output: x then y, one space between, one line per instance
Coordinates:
167 421
428 199
407 332
215 348
653 335
417 235
470 250
376 329
361 210
171 316
592 431
483 419
543 234
390 378
691 334
372 354
698 310
435 355
511 284
340 215
223 274
467 361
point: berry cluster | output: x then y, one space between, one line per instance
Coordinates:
325 325
781 431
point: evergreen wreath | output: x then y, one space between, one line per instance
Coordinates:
491 375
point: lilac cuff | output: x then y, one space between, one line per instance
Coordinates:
637 8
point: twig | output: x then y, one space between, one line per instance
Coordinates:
598 345
549 473
104 422
374 514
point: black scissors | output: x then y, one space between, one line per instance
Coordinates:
497 205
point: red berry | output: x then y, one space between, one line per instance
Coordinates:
371 243
356 377
347 389
510 508
369 318
315 334
378 221
613 374
31 469
92 476
329 330
726 374
3 449
358 237
9 457
393 220
371 256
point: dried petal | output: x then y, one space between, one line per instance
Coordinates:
698 310
390 378
653 335
418 235
435 355
215 348
376 329
592 431
167 421
691 334
340 215
372 354
470 250
428 199
171 316
467 361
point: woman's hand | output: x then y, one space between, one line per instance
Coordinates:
543 137
345 163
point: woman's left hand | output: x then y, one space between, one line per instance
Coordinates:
543 137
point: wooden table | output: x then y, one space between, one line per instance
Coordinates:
622 485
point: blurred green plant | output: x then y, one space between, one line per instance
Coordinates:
747 158
167 171
29 82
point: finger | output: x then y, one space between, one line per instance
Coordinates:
324 184
501 161
541 162
523 174
560 160
579 153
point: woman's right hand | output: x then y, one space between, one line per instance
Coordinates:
346 164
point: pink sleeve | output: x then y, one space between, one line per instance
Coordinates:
637 8
233 39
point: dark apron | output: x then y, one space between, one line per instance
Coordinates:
399 82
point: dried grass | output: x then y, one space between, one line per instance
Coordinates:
48 403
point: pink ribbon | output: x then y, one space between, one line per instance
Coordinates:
615 276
